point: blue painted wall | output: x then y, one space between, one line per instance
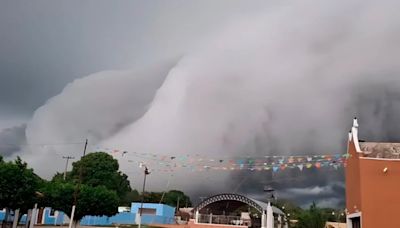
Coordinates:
151 219
120 218
2 214
21 221
161 209
164 215
124 218
50 220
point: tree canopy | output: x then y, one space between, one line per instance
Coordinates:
314 217
288 207
100 169
129 197
174 197
95 180
90 201
171 198
18 185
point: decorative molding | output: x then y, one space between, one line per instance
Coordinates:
354 215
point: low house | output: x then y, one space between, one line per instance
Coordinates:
152 213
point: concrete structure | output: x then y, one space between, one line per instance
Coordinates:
51 217
217 209
372 183
152 213
45 216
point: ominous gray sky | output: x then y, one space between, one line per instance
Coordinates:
217 78
45 44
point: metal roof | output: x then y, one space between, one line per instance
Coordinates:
259 205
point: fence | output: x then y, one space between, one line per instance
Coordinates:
220 219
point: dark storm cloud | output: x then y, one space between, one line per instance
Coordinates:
323 186
379 102
46 44
267 84
11 140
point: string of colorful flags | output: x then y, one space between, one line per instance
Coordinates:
198 163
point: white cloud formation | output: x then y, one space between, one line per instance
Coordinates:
286 81
315 190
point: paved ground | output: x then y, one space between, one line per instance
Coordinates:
79 226
190 225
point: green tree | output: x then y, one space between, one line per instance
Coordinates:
90 201
18 185
312 218
172 197
96 201
129 197
152 197
100 169
58 195
289 207
59 177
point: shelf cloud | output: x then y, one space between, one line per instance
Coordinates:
284 81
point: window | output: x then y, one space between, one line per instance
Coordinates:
356 222
147 211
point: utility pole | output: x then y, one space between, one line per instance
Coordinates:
80 174
66 164
146 172
84 150
78 187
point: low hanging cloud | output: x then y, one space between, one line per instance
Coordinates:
11 140
283 82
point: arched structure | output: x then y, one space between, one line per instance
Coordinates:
258 205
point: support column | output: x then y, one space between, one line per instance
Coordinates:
263 219
279 221
137 218
55 218
72 216
33 216
16 217
196 217
210 219
28 218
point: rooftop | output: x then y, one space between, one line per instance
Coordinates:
380 150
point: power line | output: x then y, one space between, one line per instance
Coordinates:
41 144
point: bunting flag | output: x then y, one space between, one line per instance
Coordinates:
198 163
